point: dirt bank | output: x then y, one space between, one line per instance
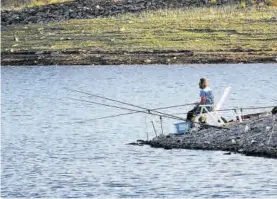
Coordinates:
86 57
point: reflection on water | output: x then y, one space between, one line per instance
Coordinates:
49 149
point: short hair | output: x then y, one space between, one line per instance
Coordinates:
203 83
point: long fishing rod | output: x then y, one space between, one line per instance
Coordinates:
106 98
124 108
134 112
161 114
237 108
146 112
101 97
125 103
245 108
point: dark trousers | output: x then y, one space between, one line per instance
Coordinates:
195 111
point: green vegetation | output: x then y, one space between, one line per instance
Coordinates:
225 30
43 2
19 4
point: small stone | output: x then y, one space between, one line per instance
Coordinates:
148 61
246 128
16 38
39 52
253 141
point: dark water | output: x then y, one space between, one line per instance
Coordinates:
49 150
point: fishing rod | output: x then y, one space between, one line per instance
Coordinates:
245 108
160 114
234 109
125 103
124 108
106 98
146 112
134 112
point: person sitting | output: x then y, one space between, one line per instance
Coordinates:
206 98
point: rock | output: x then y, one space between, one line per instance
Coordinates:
256 141
135 144
85 9
274 110
253 141
246 128
148 61
16 38
39 52
233 141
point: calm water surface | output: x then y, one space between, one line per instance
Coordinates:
50 148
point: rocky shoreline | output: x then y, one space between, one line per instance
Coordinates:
93 57
255 137
87 9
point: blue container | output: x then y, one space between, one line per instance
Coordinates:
183 127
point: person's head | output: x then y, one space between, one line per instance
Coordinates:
203 83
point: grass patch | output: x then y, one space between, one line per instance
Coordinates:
16 5
196 29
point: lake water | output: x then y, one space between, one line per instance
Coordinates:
51 148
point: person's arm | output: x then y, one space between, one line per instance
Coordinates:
202 97
203 100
